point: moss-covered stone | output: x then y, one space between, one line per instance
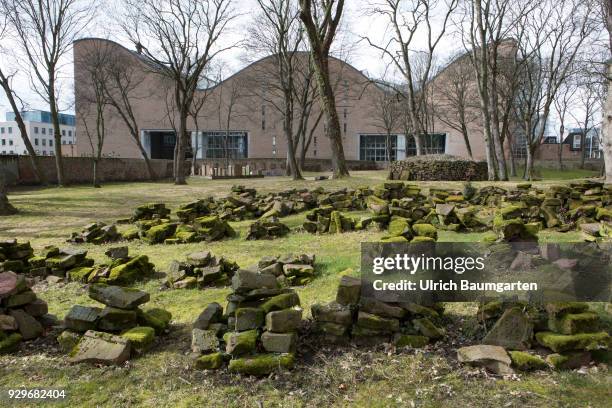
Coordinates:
374 322
572 323
135 269
427 328
140 337
238 344
158 233
158 319
583 341
280 302
212 361
262 364
526 362
68 339
409 340
131 233
568 361
425 230
10 343
79 274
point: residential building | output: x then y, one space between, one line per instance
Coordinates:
40 131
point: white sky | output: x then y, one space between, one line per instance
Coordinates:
357 23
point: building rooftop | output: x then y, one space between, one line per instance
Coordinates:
42 117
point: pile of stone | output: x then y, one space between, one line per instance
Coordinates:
267 228
201 270
115 333
96 233
150 211
370 322
14 255
58 262
568 329
327 220
437 167
122 269
574 334
22 315
289 269
158 231
257 332
200 208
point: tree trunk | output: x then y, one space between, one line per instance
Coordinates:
607 127
145 156
333 131
529 164
181 139
4 82
59 164
95 180
511 156
5 206
466 140
582 148
560 150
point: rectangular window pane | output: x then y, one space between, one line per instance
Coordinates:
218 145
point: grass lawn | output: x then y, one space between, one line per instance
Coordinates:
323 377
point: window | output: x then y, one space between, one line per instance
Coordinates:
35 130
314 153
345 113
10 152
70 133
375 147
345 127
576 142
44 131
44 152
273 140
63 142
217 145
10 142
44 142
50 131
50 142
433 143
1 130
36 142
10 129
3 142
63 132
315 140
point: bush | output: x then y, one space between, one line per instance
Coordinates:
438 167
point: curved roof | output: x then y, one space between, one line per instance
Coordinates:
149 63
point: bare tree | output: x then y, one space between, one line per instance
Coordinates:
45 30
6 82
276 31
564 103
179 38
199 101
321 19
587 99
123 88
556 32
306 97
6 208
455 96
406 49
94 75
387 112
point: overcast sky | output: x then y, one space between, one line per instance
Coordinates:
357 24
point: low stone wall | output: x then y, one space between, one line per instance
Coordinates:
79 169
437 167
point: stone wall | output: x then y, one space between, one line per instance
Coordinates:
437 167
277 166
79 169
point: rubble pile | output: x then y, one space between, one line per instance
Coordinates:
256 334
113 334
201 270
122 269
96 233
23 316
369 322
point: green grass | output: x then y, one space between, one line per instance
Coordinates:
323 377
